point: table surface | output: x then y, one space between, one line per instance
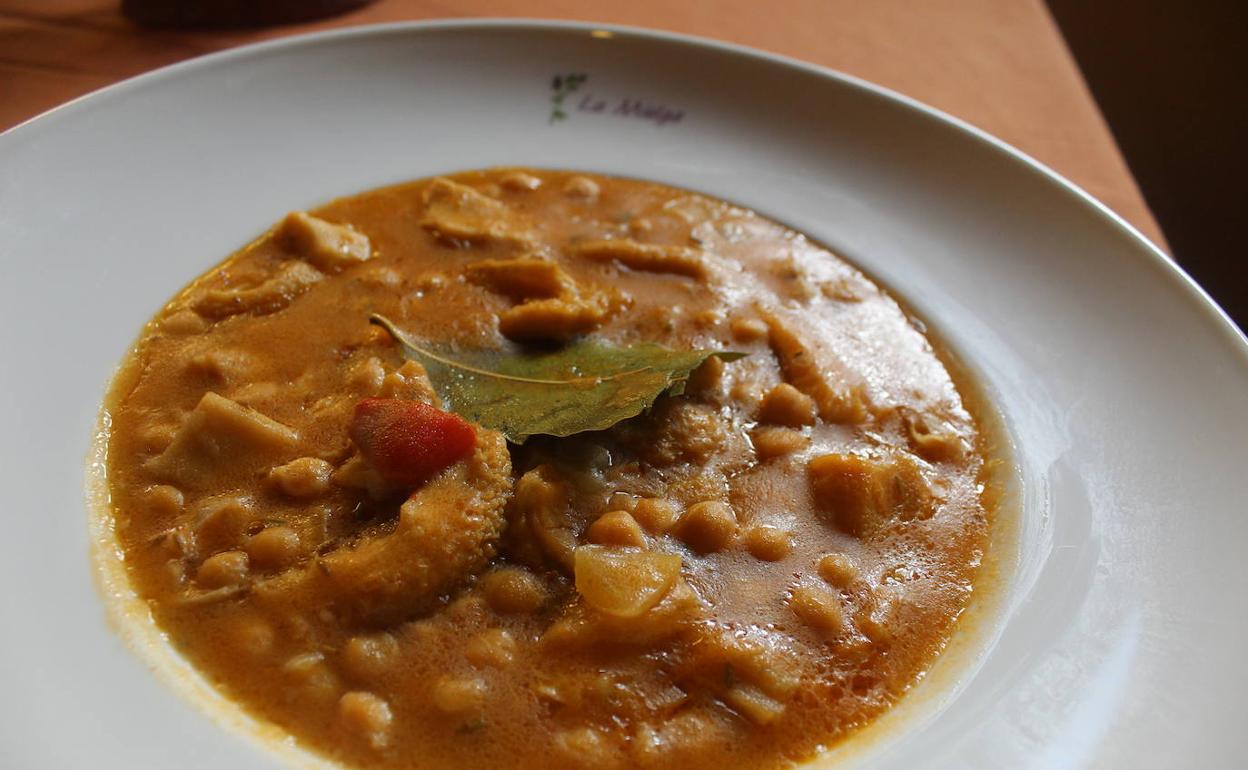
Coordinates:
1001 65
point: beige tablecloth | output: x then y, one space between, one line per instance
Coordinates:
999 64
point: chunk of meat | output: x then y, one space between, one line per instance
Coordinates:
864 494
220 522
329 246
552 307
222 437
646 257
814 370
457 212
754 704
521 279
291 279
932 438
756 671
543 528
679 431
446 532
220 366
552 320
410 381
788 406
585 627
409 442
305 478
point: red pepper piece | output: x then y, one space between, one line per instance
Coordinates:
409 442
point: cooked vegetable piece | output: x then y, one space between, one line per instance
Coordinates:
865 494
646 257
813 369
624 582
409 442
276 293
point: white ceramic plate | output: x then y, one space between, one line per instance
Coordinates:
1120 640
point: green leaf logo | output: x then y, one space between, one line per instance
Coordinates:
562 86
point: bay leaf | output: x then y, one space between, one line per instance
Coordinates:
584 386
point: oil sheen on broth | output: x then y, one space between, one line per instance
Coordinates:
742 575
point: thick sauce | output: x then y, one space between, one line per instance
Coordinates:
737 578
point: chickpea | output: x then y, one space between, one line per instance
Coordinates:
228 568
621 501
770 442
163 500
655 514
380 275
156 438
183 322
253 636
709 319
748 329
838 570
878 619
492 647
274 547
706 379
707 527
514 590
743 392
221 521
453 695
518 181
367 376
369 657
367 715
302 479
586 747
640 226
818 607
310 671
768 543
788 406
616 528
581 187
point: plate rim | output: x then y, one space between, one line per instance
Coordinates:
1084 203
1193 293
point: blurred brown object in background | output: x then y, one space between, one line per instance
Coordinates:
231 13
1169 78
